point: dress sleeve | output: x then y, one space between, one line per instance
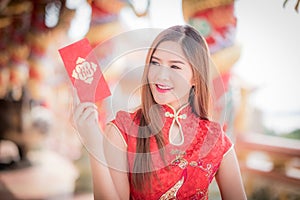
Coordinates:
223 142
126 124
226 143
215 141
119 123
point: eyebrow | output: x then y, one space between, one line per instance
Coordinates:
172 61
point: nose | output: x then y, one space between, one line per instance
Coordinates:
164 73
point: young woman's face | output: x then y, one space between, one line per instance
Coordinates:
170 75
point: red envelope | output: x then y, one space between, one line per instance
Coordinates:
84 72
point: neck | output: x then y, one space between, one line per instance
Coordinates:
178 107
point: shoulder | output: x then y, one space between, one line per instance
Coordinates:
125 118
215 137
124 124
211 126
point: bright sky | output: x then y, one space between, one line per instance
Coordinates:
270 37
270 61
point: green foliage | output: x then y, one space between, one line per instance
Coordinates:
295 134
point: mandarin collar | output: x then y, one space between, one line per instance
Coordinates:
176 116
181 113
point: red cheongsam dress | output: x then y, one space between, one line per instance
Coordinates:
189 167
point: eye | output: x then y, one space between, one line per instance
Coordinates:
175 67
154 63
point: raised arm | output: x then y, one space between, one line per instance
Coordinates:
116 157
107 153
229 178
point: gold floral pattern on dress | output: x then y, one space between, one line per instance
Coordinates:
202 166
181 162
193 163
172 192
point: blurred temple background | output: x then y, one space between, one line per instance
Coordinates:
255 62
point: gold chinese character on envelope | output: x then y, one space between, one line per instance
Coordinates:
84 70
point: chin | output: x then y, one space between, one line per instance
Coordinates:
164 102
161 101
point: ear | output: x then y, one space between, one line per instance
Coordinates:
193 82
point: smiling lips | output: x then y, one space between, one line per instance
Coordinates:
163 88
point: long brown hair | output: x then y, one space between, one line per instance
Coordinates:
196 51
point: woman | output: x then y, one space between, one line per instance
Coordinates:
168 148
